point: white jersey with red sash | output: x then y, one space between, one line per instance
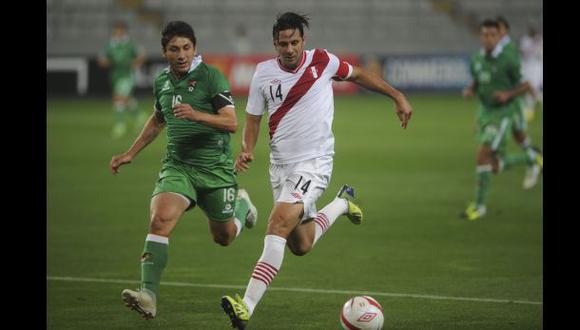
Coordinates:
300 104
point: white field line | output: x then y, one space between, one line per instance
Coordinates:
319 291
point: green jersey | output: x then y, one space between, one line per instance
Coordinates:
498 71
121 53
192 143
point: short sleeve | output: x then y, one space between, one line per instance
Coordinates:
343 70
256 102
218 83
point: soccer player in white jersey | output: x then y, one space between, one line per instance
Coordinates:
532 50
295 90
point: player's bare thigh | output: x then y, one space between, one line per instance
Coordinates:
301 239
166 208
223 232
284 218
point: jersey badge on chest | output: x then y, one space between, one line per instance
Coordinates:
191 84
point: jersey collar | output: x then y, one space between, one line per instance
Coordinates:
194 64
297 67
197 60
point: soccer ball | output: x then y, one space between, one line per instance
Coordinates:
362 312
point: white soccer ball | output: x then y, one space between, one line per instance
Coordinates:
362 312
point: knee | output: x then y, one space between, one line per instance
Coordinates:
300 249
281 225
160 224
223 239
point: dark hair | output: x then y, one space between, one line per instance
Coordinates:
177 29
501 20
289 20
489 23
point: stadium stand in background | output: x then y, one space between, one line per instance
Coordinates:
375 28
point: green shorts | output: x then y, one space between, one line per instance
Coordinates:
493 128
123 86
214 191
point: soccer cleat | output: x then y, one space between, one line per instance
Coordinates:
534 170
473 212
237 311
142 301
118 131
531 178
354 213
539 158
252 217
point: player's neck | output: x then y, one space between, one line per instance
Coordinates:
292 67
178 75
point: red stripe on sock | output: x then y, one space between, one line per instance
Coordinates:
320 223
259 278
324 218
265 270
272 268
264 273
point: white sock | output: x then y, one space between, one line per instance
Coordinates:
238 224
327 216
157 238
266 269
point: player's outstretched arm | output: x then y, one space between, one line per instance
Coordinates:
249 140
152 127
377 84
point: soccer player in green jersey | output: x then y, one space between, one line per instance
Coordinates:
193 101
497 81
520 125
122 55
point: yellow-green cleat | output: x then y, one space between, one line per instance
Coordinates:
354 213
236 310
473 212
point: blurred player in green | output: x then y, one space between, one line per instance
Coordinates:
193 101
122 56
497 81
520 124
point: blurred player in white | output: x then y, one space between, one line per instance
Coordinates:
532 50
295 90
519 122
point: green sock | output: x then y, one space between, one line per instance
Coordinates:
483 184
241 211
132 106
520 158
153 262
119 113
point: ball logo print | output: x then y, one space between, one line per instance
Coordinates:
362 312
367 317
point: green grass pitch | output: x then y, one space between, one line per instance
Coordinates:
413 252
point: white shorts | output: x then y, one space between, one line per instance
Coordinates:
301 182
